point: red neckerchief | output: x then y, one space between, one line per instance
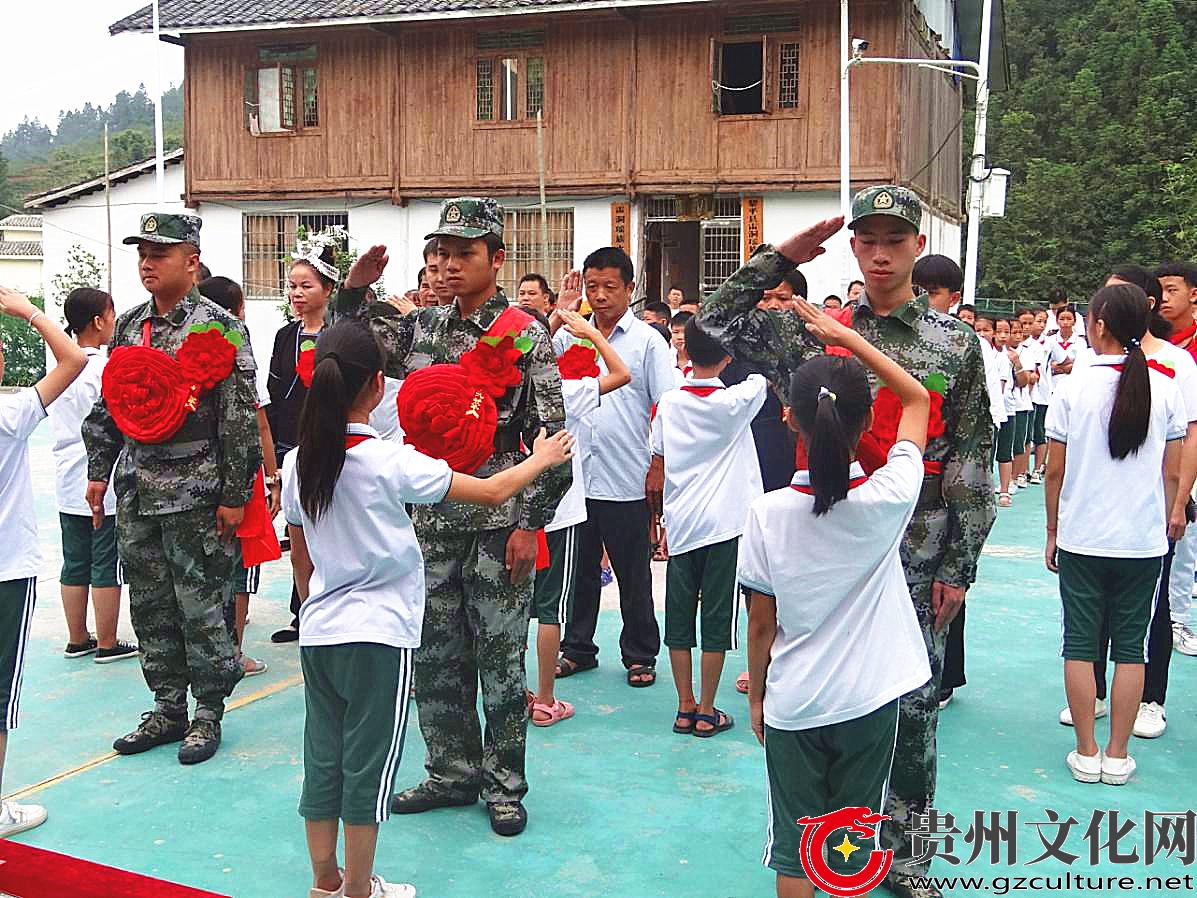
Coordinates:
356 439
700 391
810 491
146 327
1184 337
1153 365
1064 344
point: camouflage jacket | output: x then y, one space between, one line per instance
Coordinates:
923 342
213 458
438 335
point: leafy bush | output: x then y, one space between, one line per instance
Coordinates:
24 351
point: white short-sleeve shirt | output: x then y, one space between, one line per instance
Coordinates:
20 413
993 381
704 431
70 455
385 417
1112 508
1030 354
1053 354
620 452
581 401
848 639
368 584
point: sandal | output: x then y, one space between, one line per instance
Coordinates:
719 722
742 683
252 666
660 554
567 667
684 716
557 712
642 670
1004 500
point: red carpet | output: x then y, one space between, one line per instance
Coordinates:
27 872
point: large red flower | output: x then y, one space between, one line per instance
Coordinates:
306 366
445 414
577 362
206 357
146 392
492 367
875 443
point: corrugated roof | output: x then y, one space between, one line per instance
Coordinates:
211 15
24 222
20 248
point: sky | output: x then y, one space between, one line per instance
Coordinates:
58 55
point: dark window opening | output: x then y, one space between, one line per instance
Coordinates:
741 71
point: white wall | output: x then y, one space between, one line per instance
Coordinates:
22 273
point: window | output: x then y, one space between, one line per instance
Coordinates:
525 252
281 90
269 241
721 244
754 69
509 78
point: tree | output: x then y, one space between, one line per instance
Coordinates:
82 270
24 351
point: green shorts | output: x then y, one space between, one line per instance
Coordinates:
814 772
553 595
1039 425
17 598
88 555
357 698
1119 591
706 574
245 579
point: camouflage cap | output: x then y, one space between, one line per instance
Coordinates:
470 217
167 227
889 200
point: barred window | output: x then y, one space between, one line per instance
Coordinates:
788 77
720 253
535 85
280 93
485 75
311 115
755 74
267 244
509 88
525 252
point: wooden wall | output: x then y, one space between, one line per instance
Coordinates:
627 110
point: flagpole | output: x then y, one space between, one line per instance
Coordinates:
159 166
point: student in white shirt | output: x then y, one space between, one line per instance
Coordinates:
983 324
89 556
1117 422
703 433
1030 354
1012 434
343 495
20 413
553 592
1068 339
1041 392
833 639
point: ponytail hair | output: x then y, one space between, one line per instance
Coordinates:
83 306
830 400
347 358
1126 313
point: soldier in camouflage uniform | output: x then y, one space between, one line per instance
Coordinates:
477 561
956 510
179 503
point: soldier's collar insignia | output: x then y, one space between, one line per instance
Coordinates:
150 226
452 215
884 200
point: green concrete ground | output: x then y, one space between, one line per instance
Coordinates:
619 805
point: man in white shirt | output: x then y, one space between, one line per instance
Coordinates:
620 482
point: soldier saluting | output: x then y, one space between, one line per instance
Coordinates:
177 421
477 561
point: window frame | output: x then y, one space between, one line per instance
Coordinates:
771 45
520 265
496 57
285 229
299 63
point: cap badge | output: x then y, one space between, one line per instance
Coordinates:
452 215
150 225
883 200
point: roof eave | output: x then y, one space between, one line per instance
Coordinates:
60 195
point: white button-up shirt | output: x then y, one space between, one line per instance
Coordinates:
619 450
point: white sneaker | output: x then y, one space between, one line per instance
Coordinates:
1013 487
16 818
380 888
1099 711
1116 771
1022 481
1035 478
1184 640
1085 768
1151 721
314 892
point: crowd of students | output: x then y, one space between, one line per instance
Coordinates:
670 427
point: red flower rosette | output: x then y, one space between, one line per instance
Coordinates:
207 356
146 392
305 367
445 414
873 450
491 364
579 361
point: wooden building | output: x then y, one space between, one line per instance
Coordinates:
687 132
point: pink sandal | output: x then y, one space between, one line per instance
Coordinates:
742 683
557 712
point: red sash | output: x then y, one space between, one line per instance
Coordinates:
512 319
810 490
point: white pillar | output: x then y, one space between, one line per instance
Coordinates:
977 168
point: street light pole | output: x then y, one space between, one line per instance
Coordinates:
978 167
845 146
159 166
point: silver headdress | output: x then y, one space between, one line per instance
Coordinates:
309 250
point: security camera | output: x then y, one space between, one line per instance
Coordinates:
859 45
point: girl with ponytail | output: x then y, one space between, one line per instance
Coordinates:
1113 428
833 638
344 492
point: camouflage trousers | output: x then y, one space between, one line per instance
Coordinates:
912 777
179 576
475 628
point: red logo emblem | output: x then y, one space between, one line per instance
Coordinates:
818 830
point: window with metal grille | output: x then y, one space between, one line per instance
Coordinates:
535 85
755 74
509 88
510 40
727 207
660 208
720 253
287 97
787 77
268 242
280 92
485 75
527 254
311 115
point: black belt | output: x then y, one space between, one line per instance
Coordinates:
931 494
507 440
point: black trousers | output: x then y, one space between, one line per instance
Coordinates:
953 655
623 528
1159 647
